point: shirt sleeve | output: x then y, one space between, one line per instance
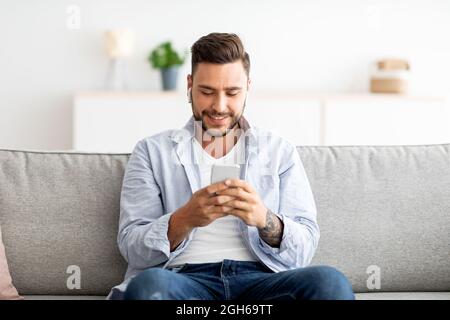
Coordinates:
142 236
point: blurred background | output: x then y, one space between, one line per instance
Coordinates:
75 75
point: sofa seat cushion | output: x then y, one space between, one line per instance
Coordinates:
403 296
359 296
63 297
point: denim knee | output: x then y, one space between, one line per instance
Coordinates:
150 284
329 283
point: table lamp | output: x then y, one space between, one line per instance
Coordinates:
119 44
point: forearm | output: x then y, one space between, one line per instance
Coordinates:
178 228
272 233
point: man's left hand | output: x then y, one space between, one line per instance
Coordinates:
248 206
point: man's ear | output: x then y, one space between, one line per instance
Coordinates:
189 88
249 83
189 81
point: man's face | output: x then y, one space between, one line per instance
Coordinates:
218 95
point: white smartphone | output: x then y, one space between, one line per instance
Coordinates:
223 172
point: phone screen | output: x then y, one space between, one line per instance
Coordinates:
223 172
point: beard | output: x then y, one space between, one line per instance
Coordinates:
213 131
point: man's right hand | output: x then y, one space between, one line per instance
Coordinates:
203 208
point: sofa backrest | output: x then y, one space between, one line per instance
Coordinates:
59 214
384 214
382 210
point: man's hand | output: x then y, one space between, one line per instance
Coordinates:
202 209
206 205
247 204
249 207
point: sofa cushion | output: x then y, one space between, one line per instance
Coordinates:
403 296
359 296
384 211
63 297
59 213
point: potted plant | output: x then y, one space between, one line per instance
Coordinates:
168 60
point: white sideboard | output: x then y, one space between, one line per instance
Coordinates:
115 121
385 120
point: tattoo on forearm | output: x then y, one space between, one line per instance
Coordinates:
272 233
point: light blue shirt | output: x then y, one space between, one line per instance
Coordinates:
162 174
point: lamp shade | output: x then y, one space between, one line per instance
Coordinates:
119 43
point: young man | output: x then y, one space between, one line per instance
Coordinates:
248 238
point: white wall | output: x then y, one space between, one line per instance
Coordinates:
307 46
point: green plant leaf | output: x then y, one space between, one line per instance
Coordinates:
165 56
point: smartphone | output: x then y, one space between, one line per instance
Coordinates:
223 172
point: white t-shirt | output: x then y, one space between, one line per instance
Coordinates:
220 239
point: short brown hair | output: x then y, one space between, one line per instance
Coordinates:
219 48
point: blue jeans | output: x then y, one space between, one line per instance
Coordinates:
239 280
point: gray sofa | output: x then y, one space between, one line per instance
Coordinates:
384 214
